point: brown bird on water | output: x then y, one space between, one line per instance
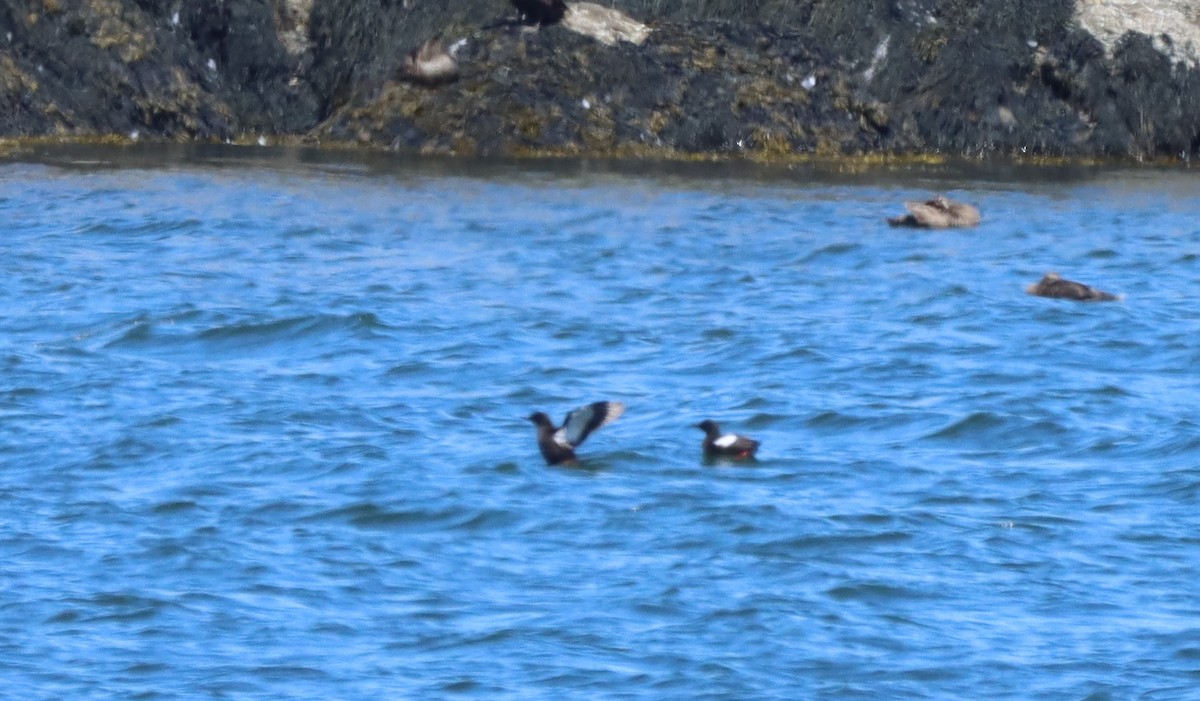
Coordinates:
558 443
1056 286
938 213
728 445
541 12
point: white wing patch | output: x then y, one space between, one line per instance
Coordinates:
560 437
725 441
583 421
615 409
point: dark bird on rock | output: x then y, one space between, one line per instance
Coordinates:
1054 285
541 12
558 443
728 445
938 213
430 64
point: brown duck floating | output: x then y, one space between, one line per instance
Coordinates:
430 64
938 213
1054 285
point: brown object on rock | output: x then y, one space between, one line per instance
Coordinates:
431 64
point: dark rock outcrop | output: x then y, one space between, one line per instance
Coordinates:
210 69
781 79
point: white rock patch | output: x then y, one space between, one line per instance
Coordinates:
604 24
1109 20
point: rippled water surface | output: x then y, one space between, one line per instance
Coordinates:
263 434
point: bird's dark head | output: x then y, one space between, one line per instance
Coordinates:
709 426
540 419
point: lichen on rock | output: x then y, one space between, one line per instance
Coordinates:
13 80
292 22
115 25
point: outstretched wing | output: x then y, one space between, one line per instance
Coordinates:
581 422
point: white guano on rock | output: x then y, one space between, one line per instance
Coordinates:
604 24
1109 20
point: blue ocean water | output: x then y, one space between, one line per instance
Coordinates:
263 431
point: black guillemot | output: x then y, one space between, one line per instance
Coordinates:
729 445
558 443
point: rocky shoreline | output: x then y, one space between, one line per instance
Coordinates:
788 80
